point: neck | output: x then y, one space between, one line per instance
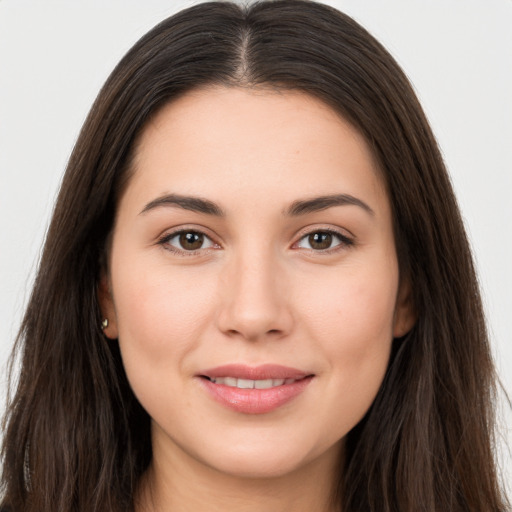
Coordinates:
182 484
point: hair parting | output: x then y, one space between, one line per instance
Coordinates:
76 438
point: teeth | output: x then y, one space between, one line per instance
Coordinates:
230 381
263 384
245 384
251 384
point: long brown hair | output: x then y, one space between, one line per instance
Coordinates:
77 439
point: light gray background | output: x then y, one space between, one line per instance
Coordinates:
55 55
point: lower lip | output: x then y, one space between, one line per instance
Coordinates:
255 401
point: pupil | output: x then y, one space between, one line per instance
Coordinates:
191 241
320 240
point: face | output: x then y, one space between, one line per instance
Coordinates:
253 280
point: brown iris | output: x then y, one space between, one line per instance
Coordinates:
320 240
191 241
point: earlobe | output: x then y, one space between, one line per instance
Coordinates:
405 310
106 303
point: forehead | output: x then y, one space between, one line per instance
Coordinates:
215 139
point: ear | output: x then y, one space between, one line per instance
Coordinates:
405 311
107 309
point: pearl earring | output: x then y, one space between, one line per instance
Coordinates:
104 323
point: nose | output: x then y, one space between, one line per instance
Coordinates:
254 301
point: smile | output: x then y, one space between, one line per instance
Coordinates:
233 382
254 390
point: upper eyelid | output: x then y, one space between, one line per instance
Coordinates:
164 239
344 234
172 232
344 239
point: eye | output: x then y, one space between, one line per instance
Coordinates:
186 241
323 240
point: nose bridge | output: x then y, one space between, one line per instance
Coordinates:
254 302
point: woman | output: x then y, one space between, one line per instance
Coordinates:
256 291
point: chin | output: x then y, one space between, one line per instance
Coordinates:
251 468
269 459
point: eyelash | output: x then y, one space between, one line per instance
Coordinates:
344 242
164 241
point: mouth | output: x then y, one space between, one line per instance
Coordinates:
254 390
234 382
264 372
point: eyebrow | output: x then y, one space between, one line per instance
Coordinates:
316 204
297 208
195 204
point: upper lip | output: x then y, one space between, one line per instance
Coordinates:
261 372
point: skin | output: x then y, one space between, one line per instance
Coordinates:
256 292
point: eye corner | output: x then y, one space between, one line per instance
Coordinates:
324 241
185 241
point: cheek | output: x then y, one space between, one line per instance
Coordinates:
160 316
353 326
354 310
